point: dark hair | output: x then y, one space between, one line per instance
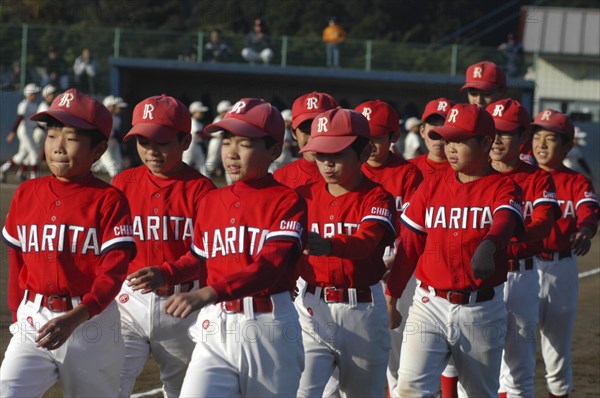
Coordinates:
435 120
305 126
96 136
359 144
269 141
181 135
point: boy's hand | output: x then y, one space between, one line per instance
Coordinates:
10 137
395 317
147 280
317 245
482 263
180 305
581 241
54 333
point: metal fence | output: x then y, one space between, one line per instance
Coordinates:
24 52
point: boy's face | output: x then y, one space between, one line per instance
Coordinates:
549 149
469 155
247 158
483 98
380 148
342 168
31 97
506 146
435 147
303 136
70 154
163 159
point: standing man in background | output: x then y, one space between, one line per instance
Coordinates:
333 36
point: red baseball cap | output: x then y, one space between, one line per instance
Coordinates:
160 118
463 122
509 115
555 121
79 111
381 116
335 130
308 106
486 76
251 118
439 107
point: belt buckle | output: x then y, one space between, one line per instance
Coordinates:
450 294
332 289
52 298
224 307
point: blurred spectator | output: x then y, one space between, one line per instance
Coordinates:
575 159
258 44
513 55
413 146
333 36
11 80
194 155
49 92
56 70
85 69
213 152
288 140
217 49
111 160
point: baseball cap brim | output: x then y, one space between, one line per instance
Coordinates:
236 127
328 144
64 117
504 125
449 133
153 132
549 127
298 120
484 86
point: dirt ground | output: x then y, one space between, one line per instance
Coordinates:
586 343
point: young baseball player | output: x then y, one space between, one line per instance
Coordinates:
540 210
39 133
194 155
570 236
304 109
351 219
455 230
163 194
70 238
401 179
248 236
485 83
434 162
23 129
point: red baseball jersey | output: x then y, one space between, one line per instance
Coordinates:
397 176
163 212
428 167
64 233
370 206
579 206
454 217
250 235
539 198
299 172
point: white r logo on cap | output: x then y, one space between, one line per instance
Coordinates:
498 110
442 105
66 100
237 108
452 115
546 115
311 103
322 126
367 113
477 72
148 109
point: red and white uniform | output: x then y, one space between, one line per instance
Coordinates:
163 212
521 290
28 153
299 172
71 240
249 236
444 223
558 272
359 225
428 167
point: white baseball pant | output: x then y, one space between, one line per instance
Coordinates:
559 291
247 354
472 334
28 153
88 363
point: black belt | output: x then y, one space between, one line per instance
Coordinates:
462 297
332 294
514 265
549 256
